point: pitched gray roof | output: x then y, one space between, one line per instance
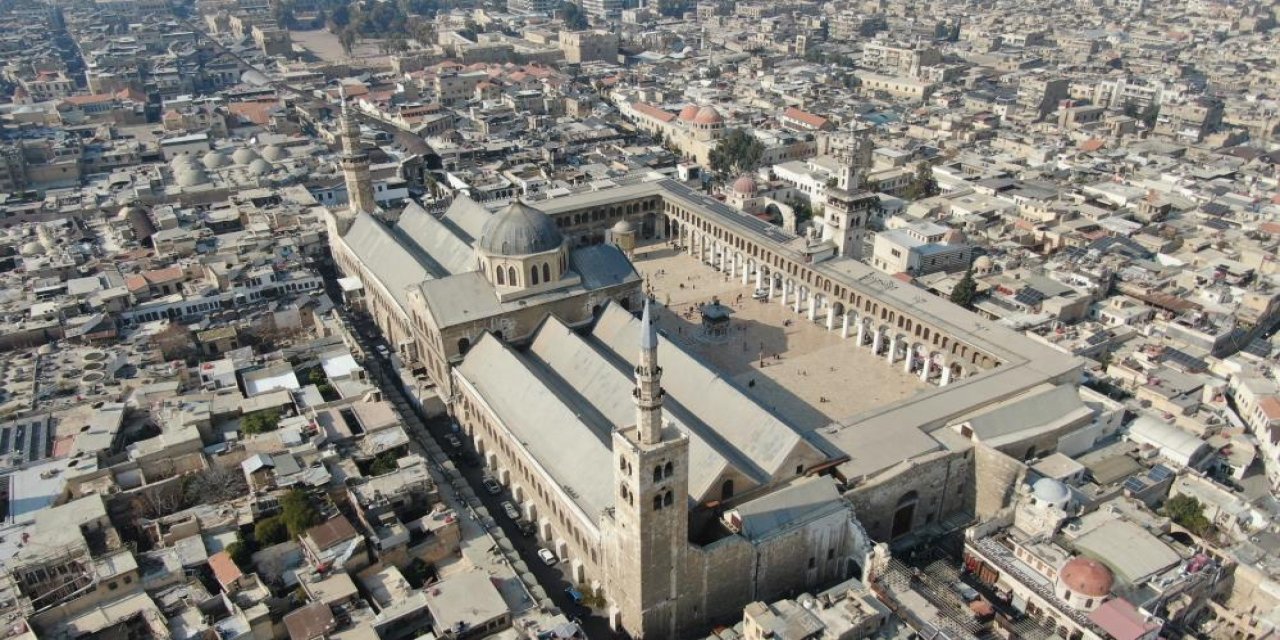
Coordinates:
435 244
467 218
385 257
790 507
569 449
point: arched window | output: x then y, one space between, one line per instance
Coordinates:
546 272
501 276
657 473
533 274
726 490
666 499
666 471
463 345
657 502
511 276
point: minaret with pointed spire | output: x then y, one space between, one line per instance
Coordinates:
355 164
648 392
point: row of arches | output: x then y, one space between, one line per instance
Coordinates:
897 336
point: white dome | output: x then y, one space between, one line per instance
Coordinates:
1051 491
260 167
274 153
213 160
32 248
192 178
245 155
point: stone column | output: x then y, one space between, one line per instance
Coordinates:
813 307
862 332
946 373
760 279
799 297
844 325
893 349
924 369
783 297
772 284
911 352
746 273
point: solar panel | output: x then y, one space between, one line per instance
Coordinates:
1029 296
1134 484
1097 338
1160 473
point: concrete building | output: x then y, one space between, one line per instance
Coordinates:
920 248
589 46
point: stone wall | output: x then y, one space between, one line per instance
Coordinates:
997 479
942 483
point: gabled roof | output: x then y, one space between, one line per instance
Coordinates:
384 256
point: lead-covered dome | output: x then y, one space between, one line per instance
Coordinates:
1051 491
519 230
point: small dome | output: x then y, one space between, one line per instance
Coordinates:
274 153
1051 491
214 160
192 178
260 167
1086 576
689 112
519 230
744 185
182 161
32 248
623 226
983 263
708 115
245 155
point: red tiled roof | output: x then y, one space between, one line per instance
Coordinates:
1272 228
255 112
224 568
1270 406
653 112
1122 620
804 117
96 98
1092 144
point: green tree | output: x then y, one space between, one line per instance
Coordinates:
737 152
923 185
573 16
297 512
241 553
1149 115
965 291
260 421
270 531
384 463
1187 512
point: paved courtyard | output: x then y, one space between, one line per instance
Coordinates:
808 374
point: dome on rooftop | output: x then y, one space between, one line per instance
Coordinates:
708 115
32 248
245 155
744 185
1051 491
689 112
260 167
1086 576
192 178
274 153
983 263
519 230
213 160
623 226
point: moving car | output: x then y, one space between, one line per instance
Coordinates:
548 557
491 486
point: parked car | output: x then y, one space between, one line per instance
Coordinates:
574 595
491 486
453 441
528 529
967 592
511 510
760 294
548 557
382 351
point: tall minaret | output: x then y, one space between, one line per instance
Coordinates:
648 392
355 165
648 527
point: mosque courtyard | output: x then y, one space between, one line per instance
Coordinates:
806 373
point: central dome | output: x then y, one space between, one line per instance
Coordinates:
1086 576
519 230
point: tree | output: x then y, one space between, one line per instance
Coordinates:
260 421
923 185
738 152
573 16
347 38
965 290
1149 115
270 531
241 553
297 512
1188 513
384 463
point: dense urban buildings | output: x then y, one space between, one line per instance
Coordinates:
610 319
